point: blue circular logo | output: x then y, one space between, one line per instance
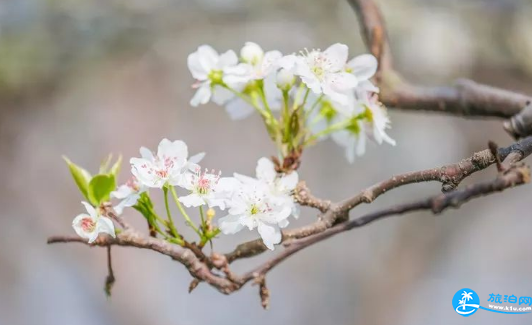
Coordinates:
466 302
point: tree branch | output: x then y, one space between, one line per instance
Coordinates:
517 175
465 98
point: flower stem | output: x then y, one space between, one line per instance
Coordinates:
170 222
183 212
330 129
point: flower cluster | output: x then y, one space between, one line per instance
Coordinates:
302 98
316 94
264 202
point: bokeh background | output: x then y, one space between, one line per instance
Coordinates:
85 78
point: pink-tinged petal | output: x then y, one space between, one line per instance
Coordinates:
337 56
144 171
208 57
230 224
79 224
202 95
363 66
195 67
192 200
265 170
270 235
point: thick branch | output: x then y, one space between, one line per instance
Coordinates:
130 237
517 175
464 98
449 175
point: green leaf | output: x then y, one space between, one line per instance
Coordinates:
100 187
115 169
81 177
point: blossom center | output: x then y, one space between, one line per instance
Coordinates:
216 76
87 224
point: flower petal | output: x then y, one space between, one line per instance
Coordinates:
230 224
265 170
238 109
192 200
337 55
363 66
208 57
202 95
195 67
90 209
270 235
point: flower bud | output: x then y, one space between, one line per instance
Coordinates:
285 79
251 53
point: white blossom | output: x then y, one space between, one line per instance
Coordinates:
167 167
90 225
364 116
264 203
323 71
212 71
251 207
207 188
129 193
363 67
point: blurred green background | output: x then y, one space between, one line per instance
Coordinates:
85 78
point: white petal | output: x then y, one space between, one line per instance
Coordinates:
90 209
221 95
202 95
363 66
146 153
265 170
270 235
289 182
238 109
367 85
337 54
288 62
208 57
177 150
192 200
197 158
105 225
230 224
195 67
121 192
227 59
340 82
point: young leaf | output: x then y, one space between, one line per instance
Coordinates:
115 169
81 177
100 187
105 164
